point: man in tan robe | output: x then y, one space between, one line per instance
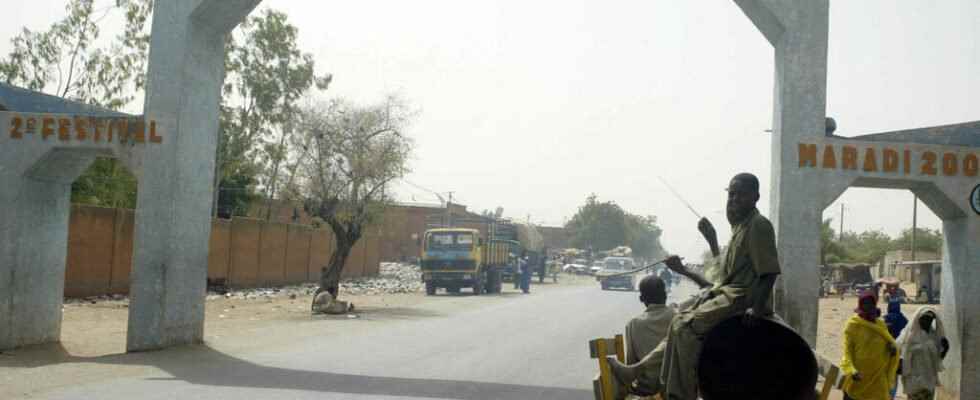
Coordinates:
647 330
749 271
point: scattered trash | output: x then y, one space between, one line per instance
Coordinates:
392 278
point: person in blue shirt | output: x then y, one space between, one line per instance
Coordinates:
896 322
525 277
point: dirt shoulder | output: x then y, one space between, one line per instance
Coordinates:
93 336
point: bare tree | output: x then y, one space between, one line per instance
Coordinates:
350 154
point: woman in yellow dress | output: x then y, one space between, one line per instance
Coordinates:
870 356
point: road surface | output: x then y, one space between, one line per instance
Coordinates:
510 346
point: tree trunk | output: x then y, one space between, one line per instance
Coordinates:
344 240
330 276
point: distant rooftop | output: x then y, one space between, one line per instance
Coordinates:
13 98
420 205
964 134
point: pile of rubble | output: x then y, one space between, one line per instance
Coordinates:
121 300
393 278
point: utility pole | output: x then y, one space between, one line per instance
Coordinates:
449 211
915 217
840 236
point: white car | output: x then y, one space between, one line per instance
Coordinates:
596 267
574 268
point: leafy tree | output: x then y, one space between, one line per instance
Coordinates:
831 251
868 246
598 226
236 197
602 226
64 61
643 236
871 246
267 75
926 240
105 183
348 156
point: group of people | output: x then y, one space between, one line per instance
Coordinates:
664 343
877 351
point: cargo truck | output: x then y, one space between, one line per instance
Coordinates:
456 258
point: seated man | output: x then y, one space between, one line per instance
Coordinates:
748 273
648 329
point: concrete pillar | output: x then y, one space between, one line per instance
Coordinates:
960 298
32 262
36 179
961 307
797 30
173 215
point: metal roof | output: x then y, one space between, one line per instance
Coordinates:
13 98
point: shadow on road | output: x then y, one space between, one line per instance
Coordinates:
384 313
202 365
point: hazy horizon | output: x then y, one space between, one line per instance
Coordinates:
533 106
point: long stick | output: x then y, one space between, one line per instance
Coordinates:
601 277
679 197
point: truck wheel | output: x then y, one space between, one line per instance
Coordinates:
498 282
478 285
492 282
430 289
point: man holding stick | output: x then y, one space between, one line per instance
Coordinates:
750 269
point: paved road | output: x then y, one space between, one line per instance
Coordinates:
504 347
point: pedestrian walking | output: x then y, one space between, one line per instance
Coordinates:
895 321
923 345
870 355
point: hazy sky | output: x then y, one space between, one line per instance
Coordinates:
533 105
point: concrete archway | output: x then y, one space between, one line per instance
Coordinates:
170 151
811 169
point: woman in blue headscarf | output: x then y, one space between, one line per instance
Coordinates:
895 321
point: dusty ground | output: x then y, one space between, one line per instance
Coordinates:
97 329
92 331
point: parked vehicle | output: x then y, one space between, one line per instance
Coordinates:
455 258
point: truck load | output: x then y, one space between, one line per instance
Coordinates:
531 245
